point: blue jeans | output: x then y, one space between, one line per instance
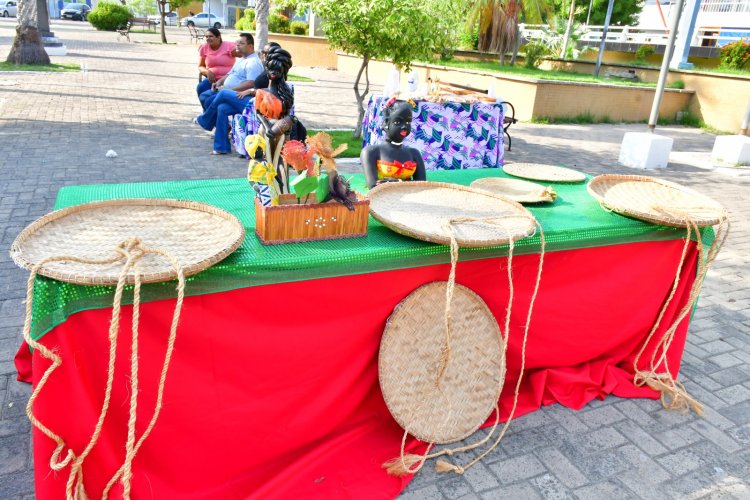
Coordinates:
217 114
206 97
202 86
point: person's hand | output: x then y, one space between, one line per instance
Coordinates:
245 93
216 86
211 77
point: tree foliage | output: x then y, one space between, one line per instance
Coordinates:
400 30
108 16
624 12
143 7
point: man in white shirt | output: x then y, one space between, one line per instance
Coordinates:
222 100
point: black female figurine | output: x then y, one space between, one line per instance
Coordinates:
391 160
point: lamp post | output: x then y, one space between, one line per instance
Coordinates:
604 38
664 72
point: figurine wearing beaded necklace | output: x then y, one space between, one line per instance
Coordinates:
390 160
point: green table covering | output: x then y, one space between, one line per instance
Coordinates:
574 220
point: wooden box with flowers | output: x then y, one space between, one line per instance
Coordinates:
316 204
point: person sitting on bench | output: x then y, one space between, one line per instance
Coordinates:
217 58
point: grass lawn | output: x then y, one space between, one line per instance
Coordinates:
6 66
297 78
340 137
541 74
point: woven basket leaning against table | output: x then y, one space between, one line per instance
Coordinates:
442 357
118 243
668 204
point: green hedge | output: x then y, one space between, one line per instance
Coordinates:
108 16
298 28
278 23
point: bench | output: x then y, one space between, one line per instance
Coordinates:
508 120
124 31
146 23
196 34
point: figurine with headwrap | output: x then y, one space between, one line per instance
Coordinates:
390 160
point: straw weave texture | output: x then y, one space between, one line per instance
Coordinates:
410 352
514 189
655 200
542 172
196 234
429 210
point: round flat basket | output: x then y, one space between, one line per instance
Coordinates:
515 189
196 234
410 354
655 200
541 172
429 211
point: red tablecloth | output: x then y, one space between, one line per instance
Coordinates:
273 390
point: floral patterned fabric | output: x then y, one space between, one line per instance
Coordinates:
450 136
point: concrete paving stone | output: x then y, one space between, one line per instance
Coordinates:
730 376
599 417
726 360
430 492
480 478
605 489
524 441
704 484
676 438
561 467
635 433
734 394
739 413
13 426
551 488
567 419
717 419
597 441
14 450
455 487
599 467
707 383
717 347
17 485
517 468
523 491
741 434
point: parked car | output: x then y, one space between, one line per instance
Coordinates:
9 8
203 20
171 19
75 11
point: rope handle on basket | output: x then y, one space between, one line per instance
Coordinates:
674 395
411 463
130 251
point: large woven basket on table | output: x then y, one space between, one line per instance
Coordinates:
655 200
430 211
196 234
411 344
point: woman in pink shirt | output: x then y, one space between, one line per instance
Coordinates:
216 59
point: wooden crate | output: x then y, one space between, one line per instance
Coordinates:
291 222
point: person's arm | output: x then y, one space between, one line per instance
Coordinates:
205 71
420 174
246 85
369 160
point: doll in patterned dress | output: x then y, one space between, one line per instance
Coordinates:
391 161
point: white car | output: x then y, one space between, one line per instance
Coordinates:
171 19
8 8
203 20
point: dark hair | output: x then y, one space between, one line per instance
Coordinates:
280 60
248 38
215 32
390 107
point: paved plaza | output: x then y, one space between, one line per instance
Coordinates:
138 99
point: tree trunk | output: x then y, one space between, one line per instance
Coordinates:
361 96
564 50
261 23
27 46
163 16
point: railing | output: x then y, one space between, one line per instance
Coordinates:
725 6
705 36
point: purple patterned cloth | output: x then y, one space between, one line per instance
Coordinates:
247 124
451 136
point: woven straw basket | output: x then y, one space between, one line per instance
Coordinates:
429 210
410 353
542 172
515 189
655 200
196 234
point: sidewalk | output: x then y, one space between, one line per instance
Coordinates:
138 99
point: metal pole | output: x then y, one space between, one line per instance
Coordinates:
588 16
604 38
664 72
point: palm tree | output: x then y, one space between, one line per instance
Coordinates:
498 21
27 46
261 23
